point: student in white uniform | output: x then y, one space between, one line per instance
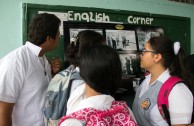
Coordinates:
163 58
25 74
100 68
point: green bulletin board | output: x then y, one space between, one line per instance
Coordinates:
176 28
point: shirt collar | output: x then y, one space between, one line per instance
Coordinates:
33 48
162 78
100 102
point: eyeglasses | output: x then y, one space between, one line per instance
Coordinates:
144 51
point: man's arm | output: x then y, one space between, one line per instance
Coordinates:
6 113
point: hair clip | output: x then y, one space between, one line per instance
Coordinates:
176 47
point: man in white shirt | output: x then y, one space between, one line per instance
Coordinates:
25 74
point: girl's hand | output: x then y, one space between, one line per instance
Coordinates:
55 65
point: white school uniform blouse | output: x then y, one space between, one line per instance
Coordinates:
23 81
180 103
78 101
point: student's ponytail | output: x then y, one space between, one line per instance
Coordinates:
173 58
180 68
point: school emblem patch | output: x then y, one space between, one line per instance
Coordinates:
145 104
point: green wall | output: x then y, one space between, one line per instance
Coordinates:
11 15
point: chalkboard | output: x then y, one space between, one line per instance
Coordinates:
174 27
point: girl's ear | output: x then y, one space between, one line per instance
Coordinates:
157 57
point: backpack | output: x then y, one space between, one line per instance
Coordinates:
117 115
57 95
163 97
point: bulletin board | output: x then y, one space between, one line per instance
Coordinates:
137 23
127 40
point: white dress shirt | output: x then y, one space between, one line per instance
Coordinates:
23 81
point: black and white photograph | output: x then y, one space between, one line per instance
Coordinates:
144 36
130 64
121 40
126 42
74 31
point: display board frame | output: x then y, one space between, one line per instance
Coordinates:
175 27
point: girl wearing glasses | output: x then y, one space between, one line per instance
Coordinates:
163 59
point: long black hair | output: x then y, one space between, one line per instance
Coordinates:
100 67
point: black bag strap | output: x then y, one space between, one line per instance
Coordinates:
167 114
74 76
67 96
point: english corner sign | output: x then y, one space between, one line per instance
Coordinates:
100 17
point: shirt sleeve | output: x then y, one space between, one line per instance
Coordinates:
11 79
72 122
180 104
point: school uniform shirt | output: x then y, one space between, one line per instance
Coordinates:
23 81
76 96
180 102
100 102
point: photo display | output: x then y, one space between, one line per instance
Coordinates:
121 40
127 41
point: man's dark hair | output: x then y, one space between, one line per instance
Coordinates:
43 25
100 67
